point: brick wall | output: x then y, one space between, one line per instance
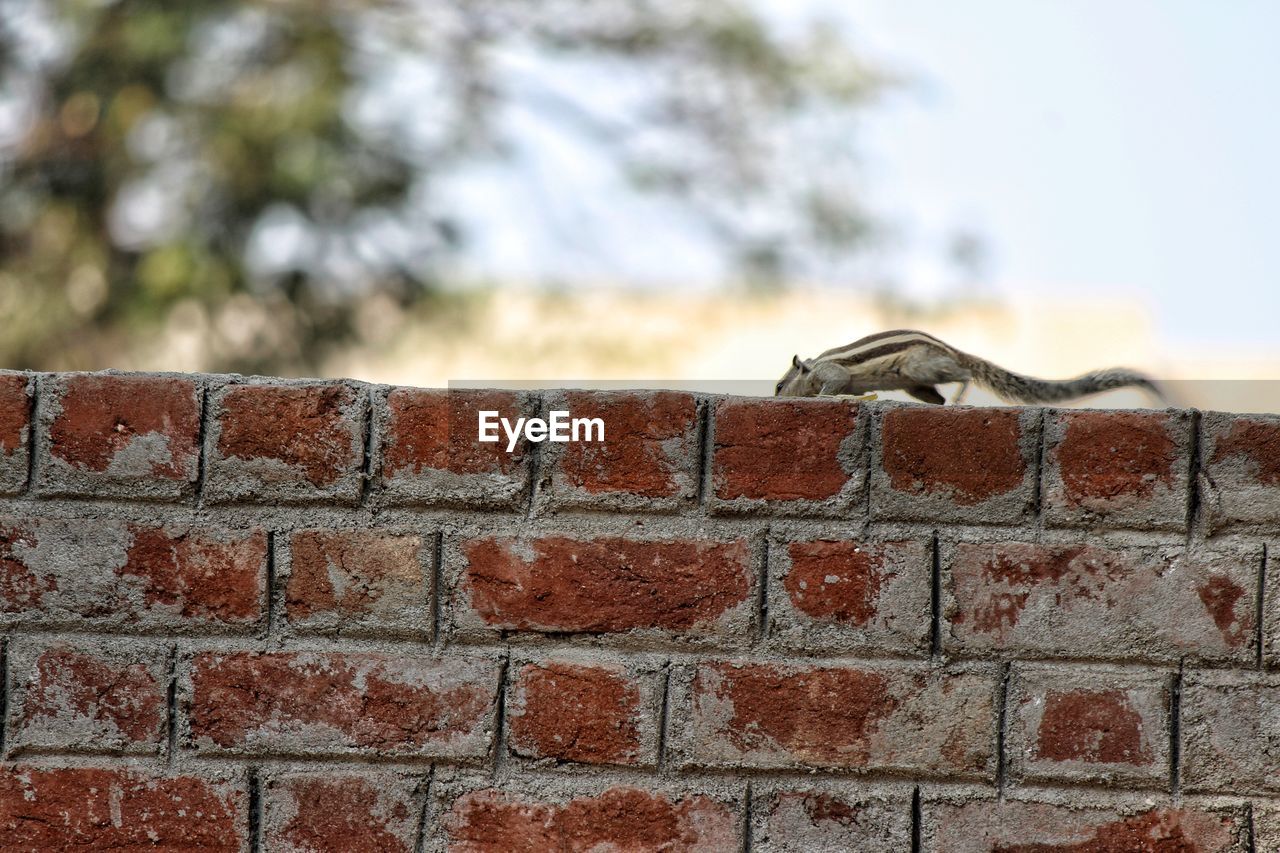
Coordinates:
250 614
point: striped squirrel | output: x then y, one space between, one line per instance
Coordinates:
911 361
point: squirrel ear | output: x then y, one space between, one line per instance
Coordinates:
798 364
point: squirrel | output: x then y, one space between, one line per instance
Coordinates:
915 362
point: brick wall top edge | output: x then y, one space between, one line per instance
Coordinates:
256 379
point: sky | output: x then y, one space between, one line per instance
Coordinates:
1114 148
1098 148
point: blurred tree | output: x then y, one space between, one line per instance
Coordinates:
240 167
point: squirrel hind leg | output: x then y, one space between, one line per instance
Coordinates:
926 393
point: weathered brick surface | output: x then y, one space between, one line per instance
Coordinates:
84 808
15 431
1094 724
648 460
958 465
794 457
866 717
286 443
310 703
355 581
87 694
1011 826
314 812
1117 469
1240 479
120 435
1266 825
1229 732
828 819
431 453
721 629
181 579
491 820
842 595
1087 601
606 585
564 710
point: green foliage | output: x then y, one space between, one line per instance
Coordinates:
165 140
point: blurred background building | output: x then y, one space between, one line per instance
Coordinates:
417 191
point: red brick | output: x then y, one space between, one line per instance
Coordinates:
1086 601
842 595
357 579
606 585
867 718
648 459
202 574
798 820
309 703
287 443
1229 733
1011 826
431 452
101 809
594 714
797 456
130 574
88 695
622 818
313 813
15 404
957 464
1089 724
1126 469
1240 483
130 436
15 442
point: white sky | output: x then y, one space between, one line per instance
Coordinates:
1128 149
1124 148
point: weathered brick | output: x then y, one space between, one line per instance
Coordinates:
87 694
357 581
1266 825
1240 469
178 578
286 443
112 809
310 813
1087 601
1117 469
905 718
794 457
606 585
431 452
1012 826
851 595
648 460
590 713
828 819
1229 732
15 433
955 464
120 435
309 703
621 818
1089 724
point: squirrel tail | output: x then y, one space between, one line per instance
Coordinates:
1014 387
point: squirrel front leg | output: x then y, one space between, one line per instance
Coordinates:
830 378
